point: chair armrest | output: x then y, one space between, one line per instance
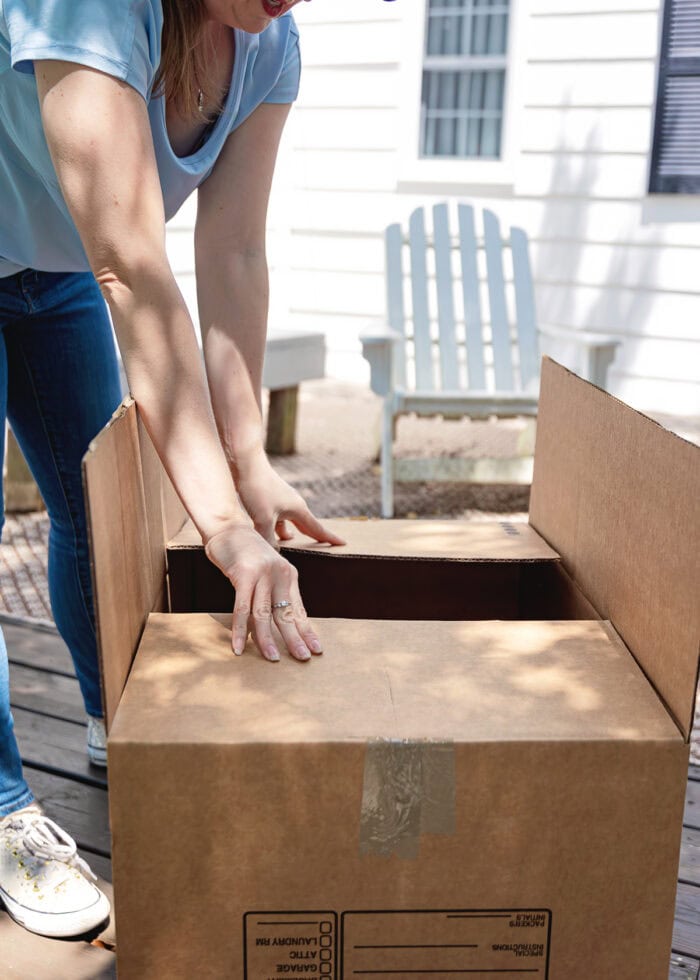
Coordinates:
378 345
379 332
598 351
583 338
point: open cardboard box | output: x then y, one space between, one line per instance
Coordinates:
483 775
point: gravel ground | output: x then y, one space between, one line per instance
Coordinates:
334 470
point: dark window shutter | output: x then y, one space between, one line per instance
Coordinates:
675 158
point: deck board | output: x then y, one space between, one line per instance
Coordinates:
29 957
53 694
55 744
689 870
39 647
691 818
50 727
683 968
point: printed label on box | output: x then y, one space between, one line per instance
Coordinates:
467 941
290 944
399 943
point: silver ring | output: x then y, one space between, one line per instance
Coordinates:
281 605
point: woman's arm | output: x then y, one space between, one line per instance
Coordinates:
232 296
98 133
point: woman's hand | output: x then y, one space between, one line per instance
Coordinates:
270 502
261 578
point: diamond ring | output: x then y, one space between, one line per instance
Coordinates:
281 605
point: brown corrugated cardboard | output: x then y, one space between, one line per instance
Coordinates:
507 792
418 569
619 497
129 578
414 540
270 792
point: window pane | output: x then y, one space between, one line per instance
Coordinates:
464 27
462 113
462 100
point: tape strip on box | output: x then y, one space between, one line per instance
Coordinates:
408 790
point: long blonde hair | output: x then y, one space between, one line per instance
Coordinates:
186 67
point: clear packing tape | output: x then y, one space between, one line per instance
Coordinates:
408 790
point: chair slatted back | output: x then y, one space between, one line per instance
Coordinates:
461 349
500 329
396 314
473 324
419 293
525 310
449 365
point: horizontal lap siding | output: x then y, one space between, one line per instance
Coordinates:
587 125
586 98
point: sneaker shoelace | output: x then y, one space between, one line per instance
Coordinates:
45 839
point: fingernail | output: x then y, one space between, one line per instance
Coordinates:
315 646
239 653
302 652
272 653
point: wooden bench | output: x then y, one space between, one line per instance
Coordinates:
291 356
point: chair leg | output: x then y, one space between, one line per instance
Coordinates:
526 439
598 360
387 460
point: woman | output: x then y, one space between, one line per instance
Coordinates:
111 114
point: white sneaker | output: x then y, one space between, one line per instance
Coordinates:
43 881
97 741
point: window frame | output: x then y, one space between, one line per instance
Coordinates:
668 66
414 171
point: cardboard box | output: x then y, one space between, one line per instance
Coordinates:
495 796
394 569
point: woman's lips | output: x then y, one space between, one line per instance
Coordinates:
273 10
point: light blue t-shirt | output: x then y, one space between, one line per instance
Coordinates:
122 38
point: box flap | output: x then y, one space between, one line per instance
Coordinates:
455 681
130 514
618 496
414 539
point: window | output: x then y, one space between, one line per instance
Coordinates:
675 158
463 85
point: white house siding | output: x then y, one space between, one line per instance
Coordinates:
605 255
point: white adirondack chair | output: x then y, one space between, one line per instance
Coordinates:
438 354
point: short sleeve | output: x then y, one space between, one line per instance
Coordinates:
119 37
286 88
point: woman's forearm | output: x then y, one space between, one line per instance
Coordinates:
164 370
233 305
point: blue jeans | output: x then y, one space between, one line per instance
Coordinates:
59 384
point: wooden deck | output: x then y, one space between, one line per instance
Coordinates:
50 726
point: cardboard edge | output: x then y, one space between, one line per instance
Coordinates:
544 559
685 727
619 401
119 412
616 639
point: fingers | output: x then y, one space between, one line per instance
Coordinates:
286 616
268 601
308 524
239 621
301 620
262 621
283 531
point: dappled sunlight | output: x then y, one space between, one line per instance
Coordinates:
549 681
450 681
460 540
